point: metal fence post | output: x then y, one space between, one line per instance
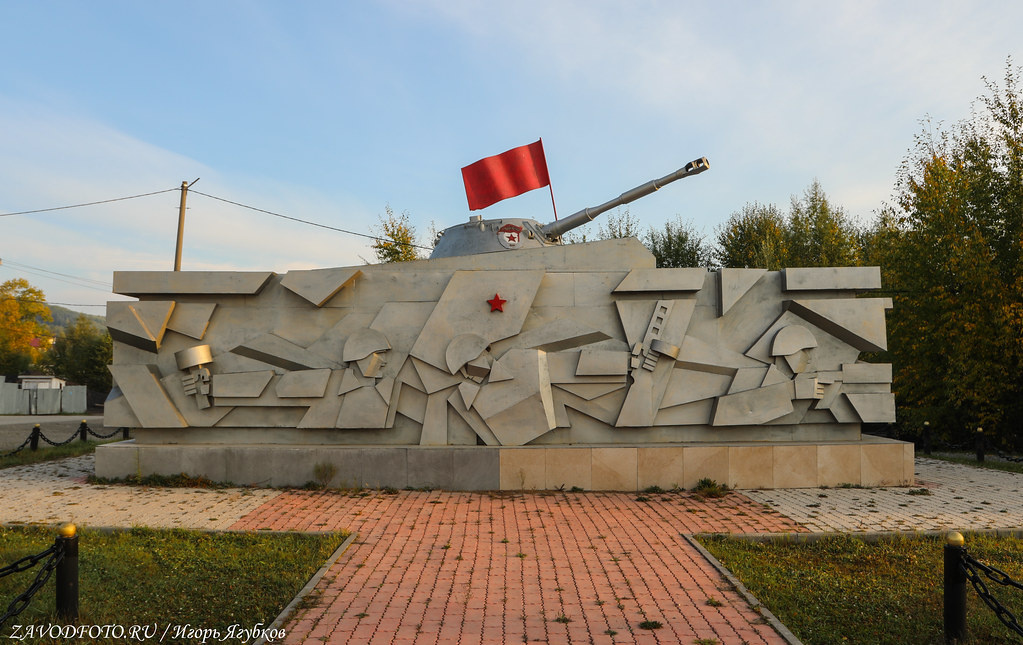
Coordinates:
83 431
980 445
124 433
927 437
955 589
34 441
67 575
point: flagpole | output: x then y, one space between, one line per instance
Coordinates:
550 184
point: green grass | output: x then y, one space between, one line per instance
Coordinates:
990 463
47 452
170 577
846 590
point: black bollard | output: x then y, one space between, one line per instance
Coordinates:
955 589
980 445
124 433
34 441
67 575
83 431
927 437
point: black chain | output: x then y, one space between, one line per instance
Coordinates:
1002 455
102 436
55 444
970 566
21 601
27 562
27 441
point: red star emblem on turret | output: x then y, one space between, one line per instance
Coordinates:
496 303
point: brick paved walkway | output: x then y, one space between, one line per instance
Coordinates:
437 567
502 568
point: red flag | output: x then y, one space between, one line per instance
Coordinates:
508 174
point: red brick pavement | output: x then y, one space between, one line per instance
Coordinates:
442 567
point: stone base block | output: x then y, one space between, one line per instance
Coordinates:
870 461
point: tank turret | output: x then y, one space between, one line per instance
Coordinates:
487 236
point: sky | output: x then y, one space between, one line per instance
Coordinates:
332 112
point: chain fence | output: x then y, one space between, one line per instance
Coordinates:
970 567
82 432
52 556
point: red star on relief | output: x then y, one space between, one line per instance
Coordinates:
496 303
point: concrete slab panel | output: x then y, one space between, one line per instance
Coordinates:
867 373
476 469
795 466
276 351
435 421
857 321
647 280
747 378
523 468
139 324
686 386
883 465
384 467
432 469
304 383
663 466
838 464
117 413
734 284
240 385
319 285
187 405
475 421
363 408
567 468
191 318
753 406
751 467
464 309
832 278
146 397
873 408
699 355
615 469
705 463
148 283
593 362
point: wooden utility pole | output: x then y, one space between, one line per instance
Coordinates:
181 224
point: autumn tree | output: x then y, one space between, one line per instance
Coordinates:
396 240
617 225
955 243
678 245
753 237
22 310
818 233
80 355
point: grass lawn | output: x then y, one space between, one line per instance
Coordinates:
846 590
169 577
47 452
992 463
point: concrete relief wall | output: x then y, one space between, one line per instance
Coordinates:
580 344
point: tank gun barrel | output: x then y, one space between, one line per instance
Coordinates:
554 230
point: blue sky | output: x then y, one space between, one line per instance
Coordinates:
328 111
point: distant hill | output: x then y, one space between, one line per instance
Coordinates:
64 318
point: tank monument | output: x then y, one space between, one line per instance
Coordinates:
506 361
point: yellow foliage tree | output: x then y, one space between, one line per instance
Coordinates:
22 335
397 238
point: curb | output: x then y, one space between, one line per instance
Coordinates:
757 606
282 617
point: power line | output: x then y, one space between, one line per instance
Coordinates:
60 304
105 201
295 219
50 277
66 275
